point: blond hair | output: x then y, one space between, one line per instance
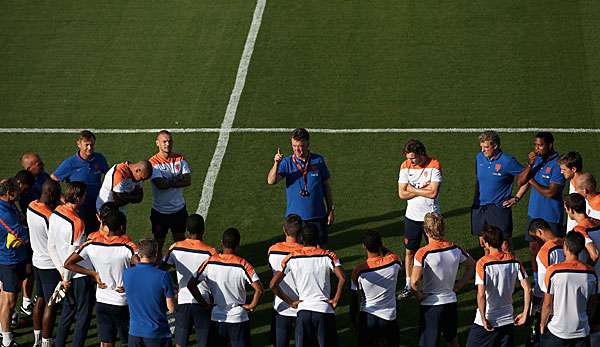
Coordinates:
434 225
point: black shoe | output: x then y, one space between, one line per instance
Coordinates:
404 294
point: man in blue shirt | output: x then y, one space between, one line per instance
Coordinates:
85 166
149 294
494 175
545 201
308 188
13 255
33 163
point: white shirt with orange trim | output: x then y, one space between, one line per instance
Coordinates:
110 256
420 176
168 200
498 273
226 276
66 232
440 261
118 179
595 236
593 207
277 253
38 218
376 278
310 268
571 283
549 254
583 228
187 256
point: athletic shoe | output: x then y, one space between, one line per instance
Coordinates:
26 310
404 294
12 344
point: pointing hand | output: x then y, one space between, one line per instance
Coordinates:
278 156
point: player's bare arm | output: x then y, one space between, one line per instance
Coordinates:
546 311
481 303
274 286
521 318
258 293
272 176
341 277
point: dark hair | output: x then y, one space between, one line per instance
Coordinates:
231 238
575 202
310 235
575 242
8 185
414 146
115 221
74 192
492 235
106 209
292 225
25 177
195 224
572 160
546 136
300 134
148 248
372 241
163 132
86 135
50 193
538 224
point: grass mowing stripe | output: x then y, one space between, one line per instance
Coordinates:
234 99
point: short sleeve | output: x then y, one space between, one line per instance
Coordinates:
549 287
464 256
251 275
403 176
419 258
170 258
63 171
83 252
335 261
556 176
514 167
480 272
185 167
436 175
521 273
285 264
168 286
324 170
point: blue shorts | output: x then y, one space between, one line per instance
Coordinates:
551 340
315 328
162 222
499 217
136 341
413 234
188 316
375 331
499 337
436 320
282 329
12 276
557 229
46 281
112 320
230 334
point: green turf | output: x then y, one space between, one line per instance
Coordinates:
339 64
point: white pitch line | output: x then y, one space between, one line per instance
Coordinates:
288 130
234 99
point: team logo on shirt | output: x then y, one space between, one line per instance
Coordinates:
498 167
425 174
177 166
548 169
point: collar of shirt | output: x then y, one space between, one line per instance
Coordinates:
86 160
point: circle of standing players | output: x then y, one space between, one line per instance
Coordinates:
71 242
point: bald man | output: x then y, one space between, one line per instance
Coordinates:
33 163
586 186
123 184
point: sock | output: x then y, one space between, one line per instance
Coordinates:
47 342
26 302
37 335
407 283
7 338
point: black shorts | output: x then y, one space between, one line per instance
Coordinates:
12 277
46 281
188 316
112 320
499 337
161 222
230 334
557 229
551 340
136 341
499 217
315 328
435 320
413 234
375 331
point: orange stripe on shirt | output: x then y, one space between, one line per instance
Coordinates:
230 259
284 248
496 258
375 263
158 159
567 266
432 163
547 249
40 208
76 221
434 246
122 172
310 251
594 202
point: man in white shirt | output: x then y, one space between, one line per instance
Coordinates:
571 166
419 184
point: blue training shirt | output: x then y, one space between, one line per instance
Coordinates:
307 207
549 209
77 169
495 176
11 223
34 192
147 287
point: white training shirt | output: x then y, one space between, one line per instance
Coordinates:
420 176
110 256
571 223
572 283
277 253
440 261
168 200
376 278
549 254
118 179
498 273
66 232
187 256
593 207
38 217
310 268
226 276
